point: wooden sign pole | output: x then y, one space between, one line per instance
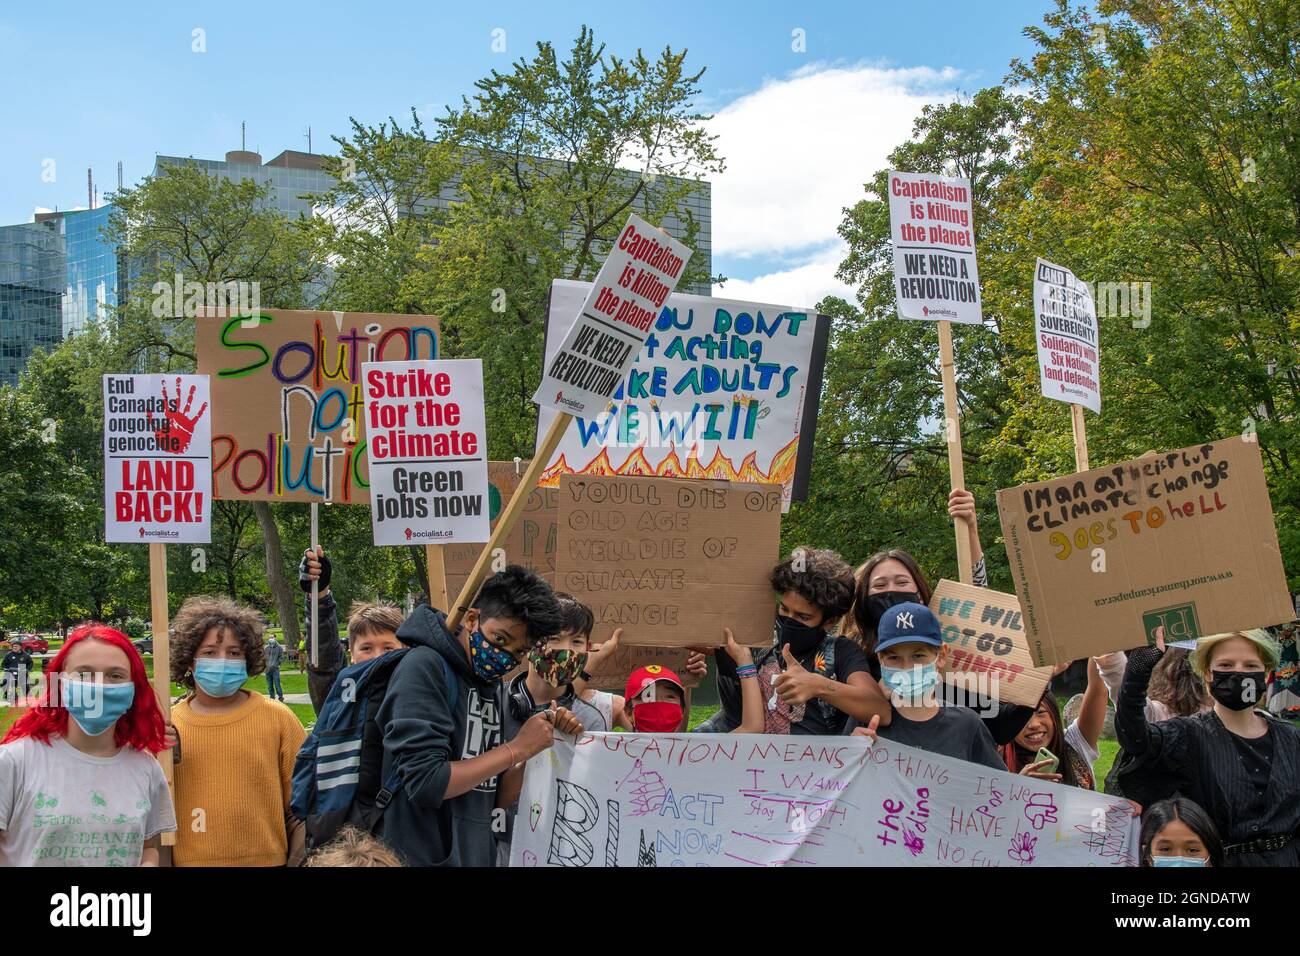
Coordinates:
161 657
315 590
1080 438
506 522
436 561
952 433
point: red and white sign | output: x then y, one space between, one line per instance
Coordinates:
426 438
605 338
933 228
1069 364
157 459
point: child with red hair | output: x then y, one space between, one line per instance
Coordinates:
78 782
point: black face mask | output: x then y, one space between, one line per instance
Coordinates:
800 637
1238 690
882 601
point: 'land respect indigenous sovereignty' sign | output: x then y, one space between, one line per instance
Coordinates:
425 429
757 800
636 279
988 655
1183 540
933 230
1068 352
157 459
672 562
288 399
721 389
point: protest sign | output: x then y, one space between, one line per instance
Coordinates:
288 401
605 334
532 540
1182 539
758 800
1069 367
988 654
157 459
933 228
612 671
426 436
722 389
671 562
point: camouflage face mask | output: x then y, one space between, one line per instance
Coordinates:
558 668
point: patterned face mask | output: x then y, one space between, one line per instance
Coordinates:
558 668
490 662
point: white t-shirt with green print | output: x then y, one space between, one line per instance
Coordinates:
60 807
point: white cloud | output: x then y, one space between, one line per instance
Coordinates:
800 286
799 149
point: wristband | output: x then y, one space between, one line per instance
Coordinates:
746 670
513 760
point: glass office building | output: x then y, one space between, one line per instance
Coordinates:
33 273
92 290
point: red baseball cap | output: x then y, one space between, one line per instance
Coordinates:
651 673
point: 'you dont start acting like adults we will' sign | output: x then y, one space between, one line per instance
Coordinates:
759 800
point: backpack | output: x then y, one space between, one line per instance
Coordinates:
336 776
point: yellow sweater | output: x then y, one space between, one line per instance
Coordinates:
233 783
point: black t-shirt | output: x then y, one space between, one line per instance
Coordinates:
1257 758
952 731
849 659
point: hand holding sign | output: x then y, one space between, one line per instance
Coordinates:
796 685
564 721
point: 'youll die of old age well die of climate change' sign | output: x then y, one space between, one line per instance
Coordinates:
428 451
934 248
1183 540
1069 365
632 286
157 459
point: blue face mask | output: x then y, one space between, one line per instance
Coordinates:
910 683
490 662
220 678
95 707
1178 861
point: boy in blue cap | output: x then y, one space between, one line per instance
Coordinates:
911 650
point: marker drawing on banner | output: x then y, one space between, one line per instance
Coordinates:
756 800
1183 540
722 389
425 429
157 459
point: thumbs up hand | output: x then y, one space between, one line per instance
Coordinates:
868 731
795 685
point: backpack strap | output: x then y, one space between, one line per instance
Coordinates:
393 781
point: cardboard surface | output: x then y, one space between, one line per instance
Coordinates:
613 672
988 653
532 540
287 401
1183 539
670 561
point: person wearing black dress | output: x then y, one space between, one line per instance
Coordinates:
1237 761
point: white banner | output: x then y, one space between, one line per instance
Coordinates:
718 391
757 800
1069 362
605 336
426 437
157 459
933 227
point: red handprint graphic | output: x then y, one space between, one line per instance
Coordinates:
176 432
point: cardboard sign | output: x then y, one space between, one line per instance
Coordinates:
612 672
532 540
1183 539
671 562
287 399
722 389
935 276
1069 366
758 800
157 459
988 655
604 337
426 436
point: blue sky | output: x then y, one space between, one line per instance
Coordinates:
89 85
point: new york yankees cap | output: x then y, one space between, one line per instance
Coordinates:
905 623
